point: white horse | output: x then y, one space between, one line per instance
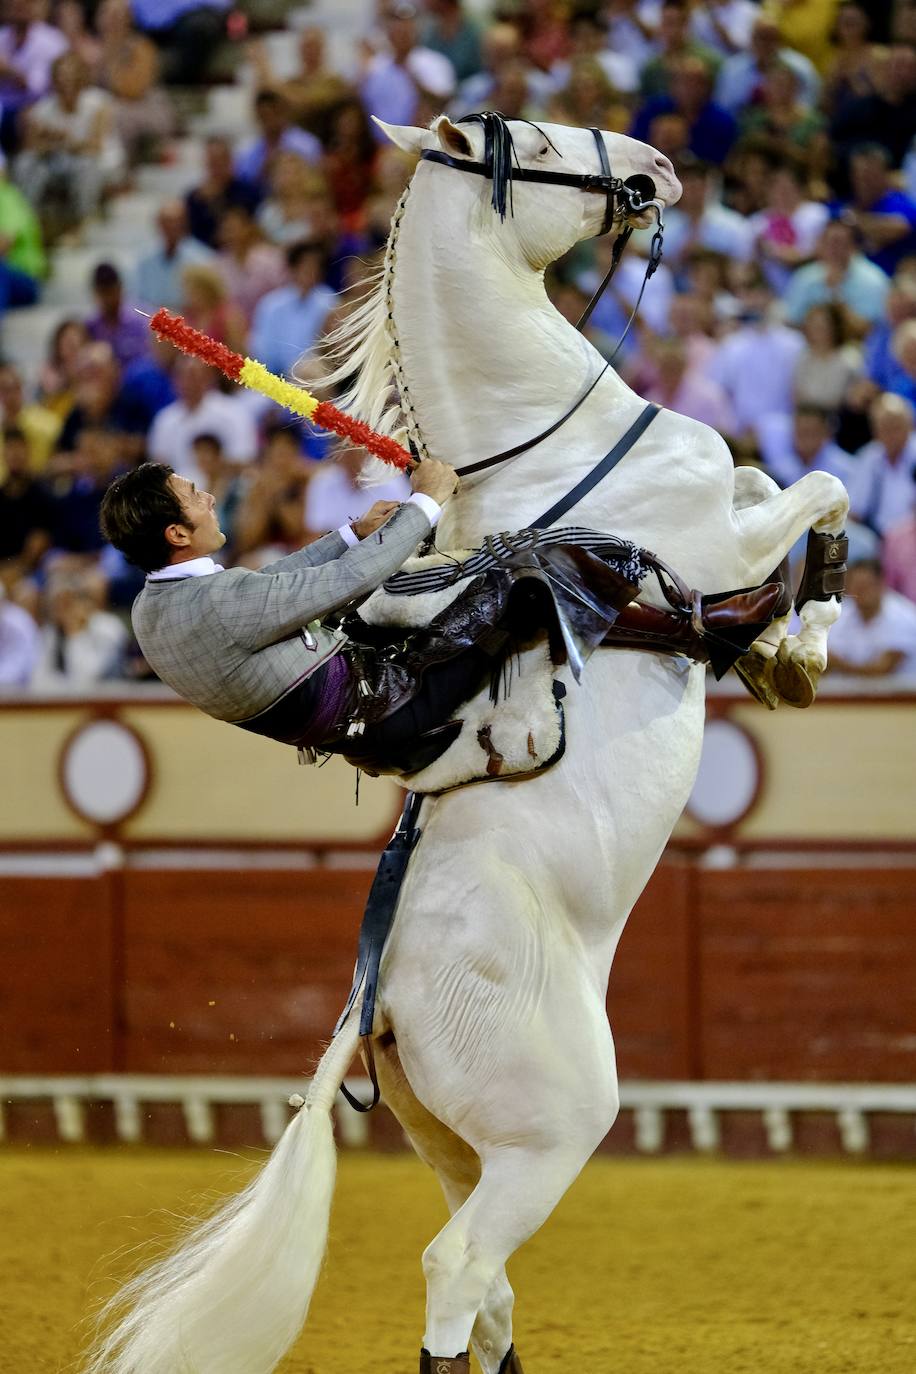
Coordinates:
491 1034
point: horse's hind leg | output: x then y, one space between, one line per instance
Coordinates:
458 1170
518 1189
525 1170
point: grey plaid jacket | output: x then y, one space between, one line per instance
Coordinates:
232 643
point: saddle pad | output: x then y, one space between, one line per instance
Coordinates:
414 612
520 734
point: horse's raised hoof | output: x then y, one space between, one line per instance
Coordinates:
794 681
511 1364
755 670
445 1364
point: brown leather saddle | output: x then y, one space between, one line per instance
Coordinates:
594 605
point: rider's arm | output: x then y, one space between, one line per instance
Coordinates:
269 606
311 555
338 541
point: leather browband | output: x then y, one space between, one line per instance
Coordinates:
584 181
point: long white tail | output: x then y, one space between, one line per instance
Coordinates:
233 1297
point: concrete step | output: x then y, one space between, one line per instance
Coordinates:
26 334
344 23
228 112
69 284
176 176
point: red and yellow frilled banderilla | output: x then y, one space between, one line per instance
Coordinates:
248 372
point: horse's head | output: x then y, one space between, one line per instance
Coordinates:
546 217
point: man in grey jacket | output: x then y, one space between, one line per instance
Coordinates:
251 648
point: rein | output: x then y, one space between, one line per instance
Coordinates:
624 199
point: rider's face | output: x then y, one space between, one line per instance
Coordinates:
201 534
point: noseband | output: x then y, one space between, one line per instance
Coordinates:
624 199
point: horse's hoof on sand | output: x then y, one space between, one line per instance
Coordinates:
794 682
755 670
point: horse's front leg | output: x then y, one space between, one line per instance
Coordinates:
793 663
751 488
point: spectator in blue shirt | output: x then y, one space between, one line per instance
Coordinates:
76 497
902 380
147 387
899 307
448 30
712 131
219 191
741 76
840 274
792 445
278 134
186 32
883 216
288 321
157 276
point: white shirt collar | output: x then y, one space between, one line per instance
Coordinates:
177 572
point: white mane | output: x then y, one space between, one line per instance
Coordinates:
365 353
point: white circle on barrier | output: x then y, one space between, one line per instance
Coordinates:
104 772
728 780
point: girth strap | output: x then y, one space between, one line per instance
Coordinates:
599 471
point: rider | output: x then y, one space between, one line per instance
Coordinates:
252 648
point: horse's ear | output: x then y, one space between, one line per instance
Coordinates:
403 135
453 139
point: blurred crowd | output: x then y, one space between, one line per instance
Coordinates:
784 313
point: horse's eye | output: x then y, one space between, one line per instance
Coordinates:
544 151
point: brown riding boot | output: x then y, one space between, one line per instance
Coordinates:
444 1364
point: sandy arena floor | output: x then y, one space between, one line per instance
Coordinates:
647 1267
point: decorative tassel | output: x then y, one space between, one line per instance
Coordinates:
250 373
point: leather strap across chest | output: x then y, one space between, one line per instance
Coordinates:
599 471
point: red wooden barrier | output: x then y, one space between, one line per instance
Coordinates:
236 972
652 995
808 974
58 954
738 974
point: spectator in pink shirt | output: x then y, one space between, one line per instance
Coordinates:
28 50
686 390
248 264
900 557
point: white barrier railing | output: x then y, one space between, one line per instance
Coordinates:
704 1103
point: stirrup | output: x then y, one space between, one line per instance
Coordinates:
755 673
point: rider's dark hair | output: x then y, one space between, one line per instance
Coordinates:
136 510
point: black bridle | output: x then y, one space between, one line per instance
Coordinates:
624 200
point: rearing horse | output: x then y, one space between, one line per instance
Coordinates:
492 1042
